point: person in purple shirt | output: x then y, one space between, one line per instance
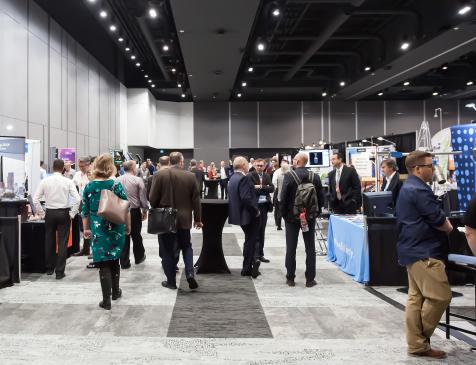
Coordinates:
423 248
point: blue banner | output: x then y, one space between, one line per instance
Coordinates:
347 246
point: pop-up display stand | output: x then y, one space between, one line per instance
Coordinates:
32 164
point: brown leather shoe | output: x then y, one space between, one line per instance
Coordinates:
432 353
310 284
290 282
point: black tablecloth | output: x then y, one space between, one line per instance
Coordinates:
212 189
5 267
33 246
214 215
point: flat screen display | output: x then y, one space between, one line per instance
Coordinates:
318 158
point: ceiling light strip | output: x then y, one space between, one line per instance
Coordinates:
412 68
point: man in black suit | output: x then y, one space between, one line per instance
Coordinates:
344 187
198 175
391 179
263 188
243 210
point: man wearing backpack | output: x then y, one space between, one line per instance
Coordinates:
301 194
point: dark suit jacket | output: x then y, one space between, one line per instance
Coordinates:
394 186
267 183
180 187
349 185
242 202
288 192
199 176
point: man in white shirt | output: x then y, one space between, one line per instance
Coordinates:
57 191
224 172
81 179
391 179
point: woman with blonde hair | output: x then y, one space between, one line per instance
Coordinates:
107 239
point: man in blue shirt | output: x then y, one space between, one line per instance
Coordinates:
422 248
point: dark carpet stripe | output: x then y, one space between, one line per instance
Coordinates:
223 306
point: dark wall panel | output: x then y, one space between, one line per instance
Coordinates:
404 116
450 114
312 122
244 124
210 154
370 119
342 121
279 124
211 122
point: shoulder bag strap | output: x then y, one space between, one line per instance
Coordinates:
295 177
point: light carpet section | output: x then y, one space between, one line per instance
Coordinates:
44 321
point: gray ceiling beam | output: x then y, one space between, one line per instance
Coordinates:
335 24
150 41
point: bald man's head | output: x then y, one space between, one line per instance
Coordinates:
300 160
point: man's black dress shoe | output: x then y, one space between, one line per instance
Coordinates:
192 283
49 272
60 275
165 284
279 229
141 260
245 273
263 259
255 270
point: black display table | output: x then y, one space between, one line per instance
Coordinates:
10 220
5 267
33 254
212 259
212 189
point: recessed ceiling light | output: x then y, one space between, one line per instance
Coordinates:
120 39
92 1
469 83
127 49
149 81
342 83
173 70
133 57
165 48
380 94
324 94
113 28
260 47
250 69
404 46
367 68
276 12
179 85
244 84
146 76
455 28
190 75
406 83
153 85
464 10
138 64
435 93
445 67
181 31
153 13
238 95
9 127
103 14
183 95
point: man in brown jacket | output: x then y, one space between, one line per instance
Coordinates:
177 188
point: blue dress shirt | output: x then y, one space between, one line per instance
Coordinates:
418 214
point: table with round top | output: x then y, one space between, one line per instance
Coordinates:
212 259
212 188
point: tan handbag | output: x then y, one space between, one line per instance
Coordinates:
112 208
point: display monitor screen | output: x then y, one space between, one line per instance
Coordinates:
318 158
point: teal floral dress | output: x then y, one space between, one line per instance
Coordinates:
107 239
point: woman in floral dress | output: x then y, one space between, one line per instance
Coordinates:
107 238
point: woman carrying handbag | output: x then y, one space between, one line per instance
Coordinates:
107 238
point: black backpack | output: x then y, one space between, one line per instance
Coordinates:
306 197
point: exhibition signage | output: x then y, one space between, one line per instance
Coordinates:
360 158
67 155
12 164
